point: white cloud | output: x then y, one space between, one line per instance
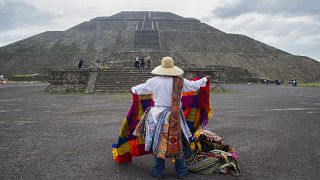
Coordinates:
298 35
15 13
285 7
290 25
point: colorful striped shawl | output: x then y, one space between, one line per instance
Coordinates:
197 111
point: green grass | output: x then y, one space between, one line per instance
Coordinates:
309 85
64 93
24 75
23 82
113 95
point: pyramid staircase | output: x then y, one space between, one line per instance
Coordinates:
146 34
146 39
120 79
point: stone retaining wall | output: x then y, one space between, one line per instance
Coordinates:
69 81
122 79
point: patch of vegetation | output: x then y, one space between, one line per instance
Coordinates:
67 93
24 75
309 84
23 82
113 95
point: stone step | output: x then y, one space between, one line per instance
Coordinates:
126 69
115 79
124 75
146 39
121 82
112 87
118 85
132 72
111 90
127 78
111 80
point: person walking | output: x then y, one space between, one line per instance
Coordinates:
141 62
148 61
136 62
81 63
166 131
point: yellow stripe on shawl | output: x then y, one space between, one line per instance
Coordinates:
124 148
192 114
124 128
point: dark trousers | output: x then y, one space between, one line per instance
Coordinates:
136 64
159 165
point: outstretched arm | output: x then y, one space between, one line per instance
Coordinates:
189 86
144 88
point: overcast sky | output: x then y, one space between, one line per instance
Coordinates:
290 25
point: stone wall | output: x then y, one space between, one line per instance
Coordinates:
122 79
91 81
68 81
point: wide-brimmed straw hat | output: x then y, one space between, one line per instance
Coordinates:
167 68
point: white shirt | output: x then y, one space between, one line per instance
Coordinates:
161 88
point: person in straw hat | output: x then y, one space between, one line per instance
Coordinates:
165 130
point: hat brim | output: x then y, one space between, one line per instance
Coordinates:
174 71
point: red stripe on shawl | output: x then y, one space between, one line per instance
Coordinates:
137 149
127 157
204 106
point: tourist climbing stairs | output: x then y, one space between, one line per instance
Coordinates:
120 79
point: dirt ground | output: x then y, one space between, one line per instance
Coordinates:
274 129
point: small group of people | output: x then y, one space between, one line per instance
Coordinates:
2 80
293 82
278 82
140 62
